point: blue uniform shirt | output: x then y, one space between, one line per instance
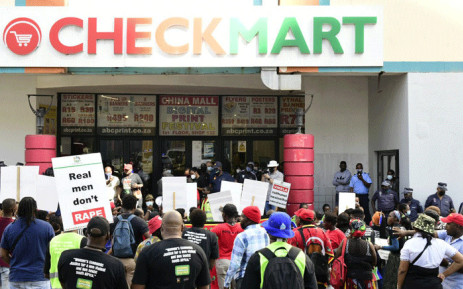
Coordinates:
415 208
454 281
359 187
445 205
217 181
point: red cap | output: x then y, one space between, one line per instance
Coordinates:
252 213
453 218
154 224
112 205
128 167
305 214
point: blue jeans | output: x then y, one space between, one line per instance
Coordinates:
5 275
30 285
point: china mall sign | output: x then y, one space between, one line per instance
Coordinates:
250 37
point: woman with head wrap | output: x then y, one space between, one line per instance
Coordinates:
390 275
360 257
421 256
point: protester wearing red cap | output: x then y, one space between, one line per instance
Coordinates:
154 226
246 243
308 237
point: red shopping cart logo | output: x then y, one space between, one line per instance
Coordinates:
22 36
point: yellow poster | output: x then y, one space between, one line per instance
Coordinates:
50 119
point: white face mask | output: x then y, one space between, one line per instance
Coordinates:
193 177
389 177
409 212
238 171
150 203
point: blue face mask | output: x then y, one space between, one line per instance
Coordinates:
150 203
108 176
209 169
248 169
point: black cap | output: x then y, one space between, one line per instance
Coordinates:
230 210
98 227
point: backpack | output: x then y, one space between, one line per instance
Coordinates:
282 272
338 273
123 238
316 252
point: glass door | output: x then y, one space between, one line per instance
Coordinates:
203 151
235 152
173 152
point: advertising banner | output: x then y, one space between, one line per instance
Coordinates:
288 106
81 184
188 115
249 115
279 194
77 114
127 114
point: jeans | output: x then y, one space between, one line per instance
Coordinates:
5 275
30 285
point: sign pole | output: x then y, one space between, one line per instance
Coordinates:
18 182
252 202
174 201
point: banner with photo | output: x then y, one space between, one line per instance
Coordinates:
188 115
77 114
249 115
288 106
126 114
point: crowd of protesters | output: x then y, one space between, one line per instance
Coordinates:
399 245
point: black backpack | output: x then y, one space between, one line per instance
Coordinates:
317 254
282 272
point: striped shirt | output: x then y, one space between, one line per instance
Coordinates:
246 243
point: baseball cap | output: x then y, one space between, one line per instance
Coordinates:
305 214
385 184
252 213
149 197
98 227
453 218
217 164
442 186
408 191
279 225
229 210
154 224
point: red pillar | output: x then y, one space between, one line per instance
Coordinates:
40 149
299 170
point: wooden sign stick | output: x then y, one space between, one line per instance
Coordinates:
174 201
252 202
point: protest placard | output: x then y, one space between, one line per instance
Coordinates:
177 195
81 184
279 194
346 201
47 195
192 196
254 194
217 201
235 190
18 182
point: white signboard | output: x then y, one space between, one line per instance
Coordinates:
156 34
279 194
18 182
47 195
254 194
235 191
81 184
177 195
217 201
346 201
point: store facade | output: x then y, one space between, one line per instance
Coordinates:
175 101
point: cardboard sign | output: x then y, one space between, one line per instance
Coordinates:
346 201
235 190
81 184
47 195
254 194
18 182
217 201
177 195
279 194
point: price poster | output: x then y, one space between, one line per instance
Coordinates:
249 115
288 106
77 113
188 115
127 114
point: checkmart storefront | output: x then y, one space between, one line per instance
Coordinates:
182 84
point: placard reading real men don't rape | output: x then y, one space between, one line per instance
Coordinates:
81 187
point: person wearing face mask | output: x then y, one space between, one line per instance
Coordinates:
167 172
188 175
112 183
274 175
248 173
218 176
387 199
441 200
405 212
391 178
414 205
360 183
200 179
150 210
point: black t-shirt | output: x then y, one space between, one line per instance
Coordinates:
46 268
170 264
139 227
205 239
87 268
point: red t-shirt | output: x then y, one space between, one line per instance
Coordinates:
3 223
336 236
226 234
316 235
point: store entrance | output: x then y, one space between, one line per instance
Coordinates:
240 152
